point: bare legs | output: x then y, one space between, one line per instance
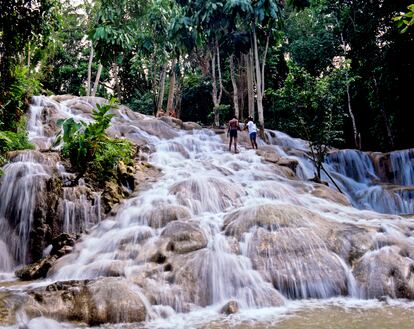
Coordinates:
254 144
235 144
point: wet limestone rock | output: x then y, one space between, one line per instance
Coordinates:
107 300
231 307
184 237
270 155
327 193
61 245
162 215
206 193
298 267
171 121
191 126
36 270
385 272
9 305
272 217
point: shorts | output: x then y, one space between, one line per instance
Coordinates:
252 136
233 132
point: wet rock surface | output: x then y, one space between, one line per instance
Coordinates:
109 300
184 237
61 245
230 308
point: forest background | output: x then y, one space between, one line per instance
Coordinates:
335 72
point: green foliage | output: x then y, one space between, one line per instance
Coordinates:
13 141
89 148
312 108
405 20
65 66
223 110
25 28
312 41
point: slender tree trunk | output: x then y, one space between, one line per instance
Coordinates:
116 78
162 87
88 85
28 58
178 97
357 136
98 77
235 89
170 102
250 83
260 79
384 114
217 93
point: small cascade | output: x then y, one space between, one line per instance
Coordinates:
22 186
77 211
402 164
26 191
375 181
369 186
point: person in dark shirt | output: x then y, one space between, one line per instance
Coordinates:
232 132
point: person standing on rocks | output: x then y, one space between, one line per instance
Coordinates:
252 129
232 132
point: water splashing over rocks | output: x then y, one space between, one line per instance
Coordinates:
215 228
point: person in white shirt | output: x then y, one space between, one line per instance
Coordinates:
251 127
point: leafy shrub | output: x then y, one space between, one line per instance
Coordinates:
89 148
12 141
24 85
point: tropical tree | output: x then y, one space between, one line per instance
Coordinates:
117 23
25 26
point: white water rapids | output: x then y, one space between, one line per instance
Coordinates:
217 226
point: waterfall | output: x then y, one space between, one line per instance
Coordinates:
216 227
25 185
369 186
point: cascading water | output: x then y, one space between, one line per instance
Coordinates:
219 227
25 183
367 183
379 182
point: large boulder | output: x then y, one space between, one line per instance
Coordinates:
272 217
164 214
107 300
61 245
386 272
206 193
184 237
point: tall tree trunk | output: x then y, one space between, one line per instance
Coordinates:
357 135
170 102
88 85
242 85
116 78
162 87
235 89
260 79
28 58
98 77
384 114
178 97
217 93
250 83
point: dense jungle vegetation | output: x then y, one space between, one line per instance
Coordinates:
336 72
